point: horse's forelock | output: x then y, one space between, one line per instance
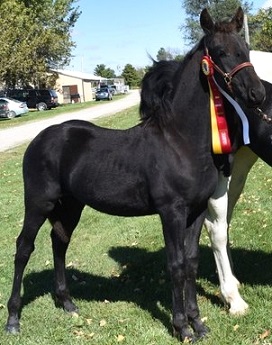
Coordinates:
224 27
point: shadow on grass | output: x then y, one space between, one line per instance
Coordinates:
143 279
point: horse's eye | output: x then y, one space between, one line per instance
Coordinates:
222 53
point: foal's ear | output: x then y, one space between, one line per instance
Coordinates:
206 22
238 19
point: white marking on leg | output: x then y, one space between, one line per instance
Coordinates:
217 227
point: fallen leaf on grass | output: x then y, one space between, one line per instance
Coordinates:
74 314
90 335
120 338
265 334
78 333
102 323
236 327
47 262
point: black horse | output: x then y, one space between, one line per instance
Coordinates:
164 165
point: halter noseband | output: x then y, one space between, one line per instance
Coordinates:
227 75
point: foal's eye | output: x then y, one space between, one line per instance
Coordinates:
222 53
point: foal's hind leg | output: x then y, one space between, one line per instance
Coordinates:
64 219
25 246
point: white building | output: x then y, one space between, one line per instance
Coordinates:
262 62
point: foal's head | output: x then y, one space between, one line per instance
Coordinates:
230 56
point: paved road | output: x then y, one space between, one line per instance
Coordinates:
12 137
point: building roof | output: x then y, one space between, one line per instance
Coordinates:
262 64
79 75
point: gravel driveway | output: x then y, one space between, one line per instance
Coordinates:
12 137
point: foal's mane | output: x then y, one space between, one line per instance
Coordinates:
157 92
158 89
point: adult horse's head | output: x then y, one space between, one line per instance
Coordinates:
229 56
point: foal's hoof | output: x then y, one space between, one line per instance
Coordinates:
202 333
187 337
71 308
12 329
184 336
67 305
200 330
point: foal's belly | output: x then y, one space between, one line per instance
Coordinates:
115 194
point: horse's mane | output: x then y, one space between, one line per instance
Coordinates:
157 91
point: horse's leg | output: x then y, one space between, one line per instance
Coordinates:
244 160
174 220
192 259
217 227
64 219
25 246
217 220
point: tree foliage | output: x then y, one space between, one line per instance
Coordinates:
131 76
164 54
219 9
260 27
35 36
104 72
169 54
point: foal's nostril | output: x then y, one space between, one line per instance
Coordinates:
256 96
252 94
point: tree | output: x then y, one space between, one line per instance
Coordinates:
131 76
35 37
169 54
104 72
218 9
163 54
260 28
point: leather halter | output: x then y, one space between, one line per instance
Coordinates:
228 75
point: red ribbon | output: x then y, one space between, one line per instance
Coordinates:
220 134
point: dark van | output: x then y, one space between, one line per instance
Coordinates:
40 99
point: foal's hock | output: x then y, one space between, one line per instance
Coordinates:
164 165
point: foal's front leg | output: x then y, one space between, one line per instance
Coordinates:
185 309
192 258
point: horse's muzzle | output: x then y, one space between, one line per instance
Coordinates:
256 96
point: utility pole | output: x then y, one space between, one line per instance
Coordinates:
246 30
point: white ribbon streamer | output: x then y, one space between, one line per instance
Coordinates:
239 111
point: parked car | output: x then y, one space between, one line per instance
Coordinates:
102 94
10 108
112 88
40 99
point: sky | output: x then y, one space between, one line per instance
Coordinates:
119 32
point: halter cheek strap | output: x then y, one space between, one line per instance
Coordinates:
227 75
220 136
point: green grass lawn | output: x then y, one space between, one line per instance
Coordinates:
116 270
